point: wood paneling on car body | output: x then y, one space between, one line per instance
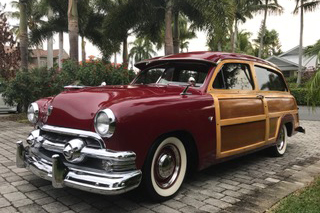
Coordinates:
236 136
244 107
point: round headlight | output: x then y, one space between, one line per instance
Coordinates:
105 123
33 113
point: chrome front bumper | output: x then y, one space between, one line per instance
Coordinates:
62 174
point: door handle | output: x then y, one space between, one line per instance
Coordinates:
260 96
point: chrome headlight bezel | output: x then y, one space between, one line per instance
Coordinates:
33 113
105 123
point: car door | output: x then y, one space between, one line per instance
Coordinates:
240 111
279 101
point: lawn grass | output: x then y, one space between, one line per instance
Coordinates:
19 117
305 201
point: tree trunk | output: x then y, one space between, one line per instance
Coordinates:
263 29
125 52
23 34
73 29
50 44
176 36
235 35
232 39
300 44
115 60
83 50
60 49
219 46
38 56
168 41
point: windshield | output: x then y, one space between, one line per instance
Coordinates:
173 73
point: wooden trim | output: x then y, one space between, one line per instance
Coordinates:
242 149
218 127
279 114
241 120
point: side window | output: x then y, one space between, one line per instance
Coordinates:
269 80
234 76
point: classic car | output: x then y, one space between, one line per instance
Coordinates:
181 113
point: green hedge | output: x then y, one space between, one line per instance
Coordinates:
31 85
302 95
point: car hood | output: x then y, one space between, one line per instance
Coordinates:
76 108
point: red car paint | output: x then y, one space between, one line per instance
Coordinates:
145 112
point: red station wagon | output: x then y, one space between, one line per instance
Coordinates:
182 112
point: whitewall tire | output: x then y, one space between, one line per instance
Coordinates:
165 168
281 146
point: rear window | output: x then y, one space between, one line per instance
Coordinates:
269 80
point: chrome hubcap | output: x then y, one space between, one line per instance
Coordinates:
281 141
167 166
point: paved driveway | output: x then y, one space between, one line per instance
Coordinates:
248 184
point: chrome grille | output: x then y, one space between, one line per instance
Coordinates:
63 139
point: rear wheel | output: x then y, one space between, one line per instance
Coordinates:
281 146
165 168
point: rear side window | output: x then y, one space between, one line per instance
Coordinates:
269 80
234 76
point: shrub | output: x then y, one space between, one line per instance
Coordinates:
301 95
28 87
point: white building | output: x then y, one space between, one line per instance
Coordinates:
288 62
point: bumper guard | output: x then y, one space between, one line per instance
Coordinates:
107 183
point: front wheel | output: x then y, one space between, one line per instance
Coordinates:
281 146
165 168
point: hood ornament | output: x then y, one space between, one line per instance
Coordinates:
50 108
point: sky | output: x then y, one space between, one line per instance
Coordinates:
287 25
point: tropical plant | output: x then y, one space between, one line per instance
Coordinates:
270 6
9 51
23 34
142 49
244 45
303 6
314 50
313 89
34 13
271 42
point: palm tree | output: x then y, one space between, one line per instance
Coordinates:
243 9
269 6
23 34
303 6
73 29
314 50
34 14
142 49
244 45
271 42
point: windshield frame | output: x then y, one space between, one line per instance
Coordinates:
165 63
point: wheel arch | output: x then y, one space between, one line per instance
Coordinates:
288 121
190 144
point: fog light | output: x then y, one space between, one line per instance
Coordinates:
72 151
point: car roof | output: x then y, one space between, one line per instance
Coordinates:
206 56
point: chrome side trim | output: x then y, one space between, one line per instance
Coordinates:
74 87
74 132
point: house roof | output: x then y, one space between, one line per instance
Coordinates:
44 53
293 51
